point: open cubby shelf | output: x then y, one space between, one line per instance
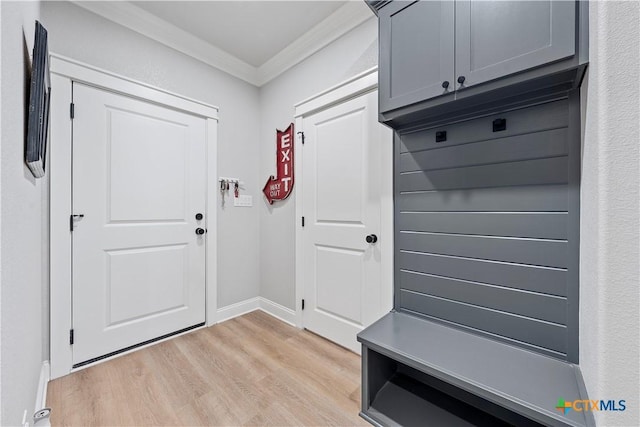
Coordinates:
421 372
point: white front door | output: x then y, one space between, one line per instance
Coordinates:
138 181
341 207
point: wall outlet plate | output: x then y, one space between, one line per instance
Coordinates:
243 201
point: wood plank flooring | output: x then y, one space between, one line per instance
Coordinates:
251 370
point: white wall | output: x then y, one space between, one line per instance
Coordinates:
24 315
610 243
84 36
356 51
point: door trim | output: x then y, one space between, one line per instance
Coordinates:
360 84
64 72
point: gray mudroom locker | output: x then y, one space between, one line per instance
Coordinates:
484 100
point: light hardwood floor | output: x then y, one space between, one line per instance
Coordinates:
251 370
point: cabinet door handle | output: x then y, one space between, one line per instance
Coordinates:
445 84
461 79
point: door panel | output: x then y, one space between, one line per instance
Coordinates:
156 291
334 204
498 38
138 179
339 282
129 196
341 204
416 52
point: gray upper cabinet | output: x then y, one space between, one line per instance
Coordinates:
417 52
498 38
435 52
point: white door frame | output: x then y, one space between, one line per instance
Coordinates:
64 72
360 84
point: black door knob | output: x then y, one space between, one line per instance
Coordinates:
461 79
200 231
445 84
371 238
199 216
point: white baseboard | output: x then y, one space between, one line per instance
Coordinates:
238 309
278 311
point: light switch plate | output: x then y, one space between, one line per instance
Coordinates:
243 201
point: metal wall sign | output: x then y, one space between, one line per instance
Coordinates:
279 187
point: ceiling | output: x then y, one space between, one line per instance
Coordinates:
252 40
253 31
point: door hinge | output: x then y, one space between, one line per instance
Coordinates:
72 110
71 336
72 220
303 304
303 221
301 136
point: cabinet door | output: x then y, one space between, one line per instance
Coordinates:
416 51
498 38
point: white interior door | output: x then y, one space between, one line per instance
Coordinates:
138 180
342 206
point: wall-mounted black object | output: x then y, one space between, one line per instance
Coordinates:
499 125
39 100
441 136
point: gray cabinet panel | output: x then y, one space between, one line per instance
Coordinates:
533 225
498 38
552 143
537 306
549 116
541 334
549 253
416 51
538 198
530 172
484 211
552 281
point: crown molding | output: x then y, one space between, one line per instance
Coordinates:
343 20
147 24
376 5
340 22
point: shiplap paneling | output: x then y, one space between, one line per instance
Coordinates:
551 225
531 304
509 149
546 280
552 198
547 335
539 118
482 226
549 253
540 172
